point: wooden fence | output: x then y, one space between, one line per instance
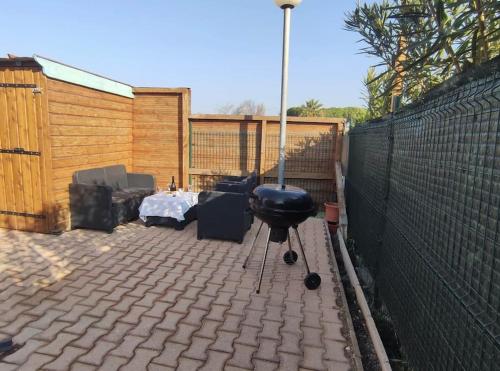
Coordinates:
23 147
52 126
160 133
236 145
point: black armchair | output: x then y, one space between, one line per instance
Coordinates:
233 178
92 207
235 187
237 183
223 215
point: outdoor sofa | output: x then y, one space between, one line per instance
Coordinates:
103 198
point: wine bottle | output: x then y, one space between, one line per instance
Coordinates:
172 186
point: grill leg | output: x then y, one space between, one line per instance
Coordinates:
301 248
290 257
289 242
312 280
264 261
253 245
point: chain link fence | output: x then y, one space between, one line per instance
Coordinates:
423 195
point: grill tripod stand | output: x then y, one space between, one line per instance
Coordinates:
312 280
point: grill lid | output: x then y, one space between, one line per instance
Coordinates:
283 198
280 205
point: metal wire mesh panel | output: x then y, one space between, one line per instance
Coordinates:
366 224
435 187
366 188
368 149
204 182
305 152
225 150
436 327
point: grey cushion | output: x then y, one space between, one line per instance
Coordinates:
90 177
116 176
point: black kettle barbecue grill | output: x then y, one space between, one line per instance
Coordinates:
279 205
282 207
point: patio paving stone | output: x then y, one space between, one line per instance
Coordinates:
113 363
63 362
78 366
97 353
34 362
159 299
216 361
198 348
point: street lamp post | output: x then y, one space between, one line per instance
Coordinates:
287 6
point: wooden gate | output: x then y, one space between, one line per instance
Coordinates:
22 186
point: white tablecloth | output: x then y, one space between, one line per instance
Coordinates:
166 205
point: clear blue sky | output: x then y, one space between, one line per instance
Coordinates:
226 51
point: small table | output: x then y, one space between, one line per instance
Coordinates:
176 209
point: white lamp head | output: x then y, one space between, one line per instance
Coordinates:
287 3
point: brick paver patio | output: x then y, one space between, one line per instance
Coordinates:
159 299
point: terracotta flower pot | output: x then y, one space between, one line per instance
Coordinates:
332 212
332 227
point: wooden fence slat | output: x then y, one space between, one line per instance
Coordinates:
6 183
23 130
339 140
262 159
186 110
15 135
271 174
42 113
33 145
75 110
341 199
276 119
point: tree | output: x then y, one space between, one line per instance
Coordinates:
247 107
431 39
225 109
354 114
294 111
377 103
311 108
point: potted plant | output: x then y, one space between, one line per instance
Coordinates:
332 214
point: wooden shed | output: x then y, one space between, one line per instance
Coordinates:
56 119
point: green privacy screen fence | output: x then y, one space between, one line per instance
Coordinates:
423 196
